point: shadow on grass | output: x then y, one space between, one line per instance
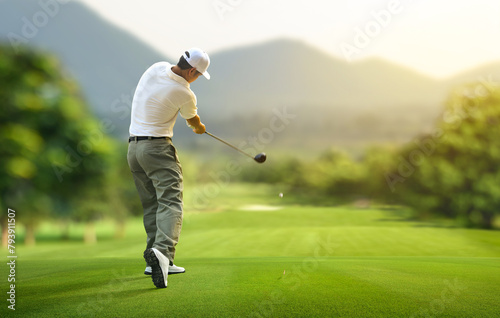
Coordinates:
402 215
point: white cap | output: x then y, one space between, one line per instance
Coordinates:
198 59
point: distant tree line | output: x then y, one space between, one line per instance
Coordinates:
452 171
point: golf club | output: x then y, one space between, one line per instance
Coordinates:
260 158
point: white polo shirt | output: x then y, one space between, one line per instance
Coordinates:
159 97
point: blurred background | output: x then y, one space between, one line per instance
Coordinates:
366 103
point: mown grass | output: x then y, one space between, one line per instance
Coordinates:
299 261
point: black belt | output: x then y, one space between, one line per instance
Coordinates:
137 138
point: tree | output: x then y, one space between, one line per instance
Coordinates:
377 161
51 148
454 171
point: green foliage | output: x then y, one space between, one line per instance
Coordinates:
454 171
333 174
376 162
336 174
51 148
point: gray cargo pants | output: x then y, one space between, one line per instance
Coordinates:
158 178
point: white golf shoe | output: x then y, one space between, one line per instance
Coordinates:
159 266
172 269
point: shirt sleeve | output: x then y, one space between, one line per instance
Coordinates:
188 108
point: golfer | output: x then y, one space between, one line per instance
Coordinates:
162 93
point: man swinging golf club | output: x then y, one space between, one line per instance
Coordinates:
163 92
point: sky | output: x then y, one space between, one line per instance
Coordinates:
438 38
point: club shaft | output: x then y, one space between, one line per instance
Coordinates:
225 142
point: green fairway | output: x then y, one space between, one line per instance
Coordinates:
295 261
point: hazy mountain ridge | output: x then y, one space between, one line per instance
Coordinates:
335 103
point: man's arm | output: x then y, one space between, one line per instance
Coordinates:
196 124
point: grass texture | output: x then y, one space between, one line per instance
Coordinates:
297 261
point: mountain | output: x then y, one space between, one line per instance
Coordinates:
488 75
281 94
335 102
291 72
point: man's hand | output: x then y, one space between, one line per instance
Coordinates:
196 124
200 129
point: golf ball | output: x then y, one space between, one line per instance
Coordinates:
281 195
